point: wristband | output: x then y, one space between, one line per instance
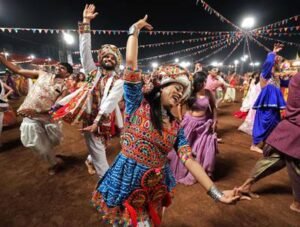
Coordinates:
133 30
214 193
84 27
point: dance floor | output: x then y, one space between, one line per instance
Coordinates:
30 197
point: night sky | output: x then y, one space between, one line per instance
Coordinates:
120 14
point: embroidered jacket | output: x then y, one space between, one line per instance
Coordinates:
43 94
141 141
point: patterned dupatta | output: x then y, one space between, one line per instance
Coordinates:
72 107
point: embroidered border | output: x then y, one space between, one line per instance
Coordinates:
132 76
185 153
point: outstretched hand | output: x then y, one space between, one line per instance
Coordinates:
91 128
142 23
231 196
89 13
277 47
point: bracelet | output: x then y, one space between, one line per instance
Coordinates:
133 30
214 193
84 27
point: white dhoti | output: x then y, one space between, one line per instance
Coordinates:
41 137
97 152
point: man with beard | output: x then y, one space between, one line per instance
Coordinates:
38 131
107 92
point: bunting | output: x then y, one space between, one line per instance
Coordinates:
211 10
279 23
278 40
213 53
197 52
112 32
211 44
259 44
233 50
183 41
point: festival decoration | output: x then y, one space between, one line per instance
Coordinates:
219 39
278 40
278 23
233 50
183 41
111 32
211 10
214 43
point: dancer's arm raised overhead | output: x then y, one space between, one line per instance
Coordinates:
85 39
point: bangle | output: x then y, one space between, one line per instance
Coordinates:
133 30
84 27
214 193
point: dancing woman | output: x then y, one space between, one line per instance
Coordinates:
230 91
246 108
199 125
269 102
138 184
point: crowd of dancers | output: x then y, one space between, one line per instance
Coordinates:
168 126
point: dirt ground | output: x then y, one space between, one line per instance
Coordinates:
30 197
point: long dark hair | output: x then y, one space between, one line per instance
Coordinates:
153 98
199 80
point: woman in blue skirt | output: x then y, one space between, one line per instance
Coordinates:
269 102
137 186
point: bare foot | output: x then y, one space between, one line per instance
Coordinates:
256 148
219 140
90 167
295 206
245 189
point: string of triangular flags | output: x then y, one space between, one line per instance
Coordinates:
200 51
259 43
211 10
278 23
279 34
233 50
213 53
183 41
278 40
211 44
110 32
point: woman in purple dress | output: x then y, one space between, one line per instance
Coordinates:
199 128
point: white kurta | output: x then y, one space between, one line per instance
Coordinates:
108 104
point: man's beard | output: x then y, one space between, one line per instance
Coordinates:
107 67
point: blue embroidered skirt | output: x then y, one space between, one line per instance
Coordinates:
268 105
270 97
123 177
